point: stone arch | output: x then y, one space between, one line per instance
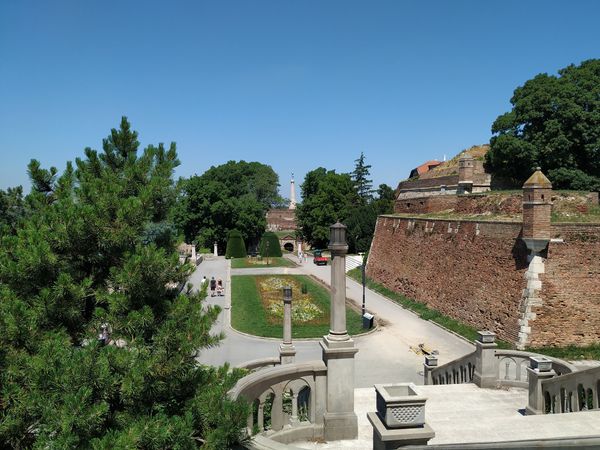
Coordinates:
302 400
507 368
288 246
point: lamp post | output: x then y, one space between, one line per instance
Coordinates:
339 420
364 279
267 250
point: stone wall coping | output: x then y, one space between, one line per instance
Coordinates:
257 363
555 361
273 375
444 219
576 224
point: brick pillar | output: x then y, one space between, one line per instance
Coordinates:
466 165
537 210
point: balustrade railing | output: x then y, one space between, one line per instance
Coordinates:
512 367
572 392
489 366
460 370
288 400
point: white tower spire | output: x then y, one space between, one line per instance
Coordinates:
292 193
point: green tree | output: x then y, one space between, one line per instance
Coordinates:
384 203
274 249
12 209
326 198
554 123
236 248
360 176
362 219
235 195
90 261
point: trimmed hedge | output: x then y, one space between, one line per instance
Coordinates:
236 248
274 247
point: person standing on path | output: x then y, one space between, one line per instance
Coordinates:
213 286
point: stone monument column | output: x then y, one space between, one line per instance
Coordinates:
215 250
292 193
287 351
340 421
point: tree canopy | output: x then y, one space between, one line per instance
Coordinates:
235 195
327 197
97 345
554 123
360 176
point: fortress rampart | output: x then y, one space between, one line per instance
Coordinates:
475 271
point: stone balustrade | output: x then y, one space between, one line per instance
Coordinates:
288 400
570 392
489 366
460 370
512 367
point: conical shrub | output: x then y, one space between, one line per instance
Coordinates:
236 248
274 247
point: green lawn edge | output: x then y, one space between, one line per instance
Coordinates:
243 263
248 315
422 310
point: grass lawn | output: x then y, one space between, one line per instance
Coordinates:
255 263
257 306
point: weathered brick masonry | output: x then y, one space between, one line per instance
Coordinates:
474 272
570 311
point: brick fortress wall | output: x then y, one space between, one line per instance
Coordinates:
474 272
570 311
281 219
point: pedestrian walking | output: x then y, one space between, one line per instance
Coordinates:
213 286
220 290
300 256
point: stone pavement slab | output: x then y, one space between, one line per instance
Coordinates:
464 413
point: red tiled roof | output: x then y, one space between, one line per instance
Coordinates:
425 167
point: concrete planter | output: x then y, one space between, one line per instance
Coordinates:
399 405
540 363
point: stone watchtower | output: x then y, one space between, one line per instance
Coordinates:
466 166
537 210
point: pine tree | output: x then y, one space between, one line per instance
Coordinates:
97 348
360 177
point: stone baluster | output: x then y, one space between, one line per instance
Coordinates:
294 417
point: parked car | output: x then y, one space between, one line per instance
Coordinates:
319 259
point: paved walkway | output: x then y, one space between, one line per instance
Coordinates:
463 413
384 355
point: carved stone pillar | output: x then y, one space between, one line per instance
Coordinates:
338 349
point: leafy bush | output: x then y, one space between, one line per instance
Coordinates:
274 247
236 248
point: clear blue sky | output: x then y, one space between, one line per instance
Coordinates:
293 84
